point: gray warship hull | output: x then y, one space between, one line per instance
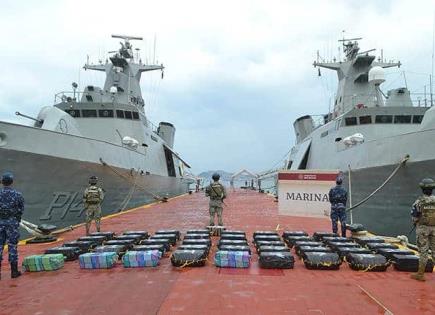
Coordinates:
53 187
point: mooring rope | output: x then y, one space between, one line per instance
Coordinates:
402 162
157 197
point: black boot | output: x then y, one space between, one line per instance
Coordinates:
0 270
14 270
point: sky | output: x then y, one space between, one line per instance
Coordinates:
238 73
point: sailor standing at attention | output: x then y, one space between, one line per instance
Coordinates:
11 210
216 192
338 200
423 215
92 199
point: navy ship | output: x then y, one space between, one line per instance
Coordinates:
382 142
98 131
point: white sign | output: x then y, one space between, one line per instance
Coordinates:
305 192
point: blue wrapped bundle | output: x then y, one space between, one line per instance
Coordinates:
105 260
136 259
232 259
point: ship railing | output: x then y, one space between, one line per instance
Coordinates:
67 96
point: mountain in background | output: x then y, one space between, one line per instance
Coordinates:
225 176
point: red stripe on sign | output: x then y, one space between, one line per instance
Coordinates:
307 176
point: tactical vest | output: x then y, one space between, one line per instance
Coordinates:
427 208
216 191
93 195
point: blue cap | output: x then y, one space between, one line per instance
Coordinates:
7 178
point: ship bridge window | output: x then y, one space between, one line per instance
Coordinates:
365 120
128 114
136 115
416 119
402 119
119 113
105 113
350 121
89 113
384 119
73 112
89 98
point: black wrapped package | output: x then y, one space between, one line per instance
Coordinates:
163 241
127 243
266 238
269 243
233 237
322 261
286 234
232 243
198 231
108 235
85 246
273 249
119 249
318 236
367 262
410 263
70 253
375 246
196 236
276 260
389 252
309 249
291 240
355 227
233 232
235 248
136 238
188 258
260 233
336 245
171 237
144 234
96 239
144 248
194 247
203 241
369 239
343 251
336 239
176 232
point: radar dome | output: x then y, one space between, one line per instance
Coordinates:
377 75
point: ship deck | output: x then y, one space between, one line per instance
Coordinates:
211 290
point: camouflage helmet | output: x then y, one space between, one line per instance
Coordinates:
427 183
93 180
7 178
215 176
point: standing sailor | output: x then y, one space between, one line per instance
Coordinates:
423 215
338 200
11 210
216 192
92 198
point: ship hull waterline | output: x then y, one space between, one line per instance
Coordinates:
53 187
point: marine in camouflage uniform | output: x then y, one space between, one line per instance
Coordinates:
11 210
423 215
338 200
216 192
92 198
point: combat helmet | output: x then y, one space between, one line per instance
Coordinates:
427 183
93 180
215 176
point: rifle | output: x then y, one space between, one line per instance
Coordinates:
413 228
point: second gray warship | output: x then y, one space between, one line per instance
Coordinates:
382 142
98 131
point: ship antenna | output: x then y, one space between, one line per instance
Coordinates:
154 55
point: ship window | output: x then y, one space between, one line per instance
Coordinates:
89 113
384 119
350 121
105 113
120 89
135 115
365 120
416 119
127 114
73 112
402 119
119 113
90 88
89 98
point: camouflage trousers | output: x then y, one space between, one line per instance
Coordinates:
9 231
215 208
425 241
338 215
93 212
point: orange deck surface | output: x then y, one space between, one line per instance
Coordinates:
210 290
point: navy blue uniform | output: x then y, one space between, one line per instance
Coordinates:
11 210
338 200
